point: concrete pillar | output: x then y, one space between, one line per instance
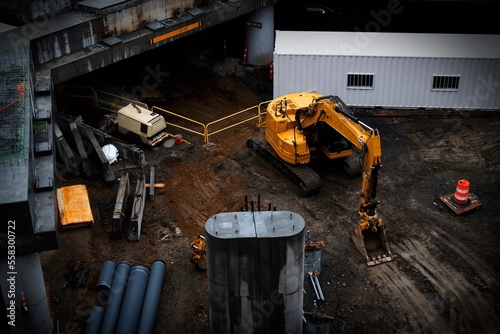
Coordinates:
255 272
260 36
23 277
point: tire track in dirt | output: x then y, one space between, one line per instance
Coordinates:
491 153
483 270
412 301
454 149
450 303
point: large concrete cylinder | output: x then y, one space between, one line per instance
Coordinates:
260 36
23 277
255 272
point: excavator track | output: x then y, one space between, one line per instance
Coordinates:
352 165
303 176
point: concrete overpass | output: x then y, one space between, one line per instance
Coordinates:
61 40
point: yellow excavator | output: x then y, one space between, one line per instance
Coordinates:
303 127
198 255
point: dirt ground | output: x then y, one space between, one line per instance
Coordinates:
445 276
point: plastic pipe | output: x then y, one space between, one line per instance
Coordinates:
152 297
94 320
130 312
112 310
105 279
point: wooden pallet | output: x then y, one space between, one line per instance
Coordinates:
472 203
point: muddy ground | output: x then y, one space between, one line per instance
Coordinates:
445 276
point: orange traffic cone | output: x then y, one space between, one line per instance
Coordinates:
462 192
271 69
461 201
244 61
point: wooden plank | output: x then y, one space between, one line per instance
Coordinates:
156 185
74 207
472 203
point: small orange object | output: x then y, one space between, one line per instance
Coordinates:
244 61
156 185
271 69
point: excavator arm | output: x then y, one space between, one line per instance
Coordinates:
369 234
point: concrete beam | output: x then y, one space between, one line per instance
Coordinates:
65 152
120 207
152 184
86 165
134 230
103 164
108 47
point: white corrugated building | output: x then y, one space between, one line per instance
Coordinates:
397 70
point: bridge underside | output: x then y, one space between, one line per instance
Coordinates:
81 38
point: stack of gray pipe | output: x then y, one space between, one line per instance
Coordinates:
133 298
94 320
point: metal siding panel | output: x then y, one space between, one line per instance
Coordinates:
402 82
409 85
482 85
327 72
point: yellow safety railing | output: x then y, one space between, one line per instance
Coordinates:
180 118
262 106
112 103
80 92
102 100
230 119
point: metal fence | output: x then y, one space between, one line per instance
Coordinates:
112 103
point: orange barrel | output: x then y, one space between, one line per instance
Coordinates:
462 192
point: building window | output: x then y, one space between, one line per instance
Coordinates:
445 82
360 81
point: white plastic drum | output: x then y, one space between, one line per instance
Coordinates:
111 153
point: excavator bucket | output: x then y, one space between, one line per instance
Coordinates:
372 244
